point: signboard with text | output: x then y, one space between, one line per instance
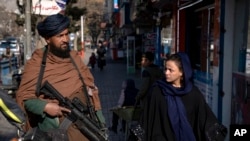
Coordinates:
48 7
149 41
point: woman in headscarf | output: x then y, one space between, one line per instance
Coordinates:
176 110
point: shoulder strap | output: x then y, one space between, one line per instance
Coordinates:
81 78
40 77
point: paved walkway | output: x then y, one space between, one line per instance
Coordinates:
109 82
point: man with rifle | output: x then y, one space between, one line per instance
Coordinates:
66 73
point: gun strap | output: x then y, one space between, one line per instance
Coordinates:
81 78
40 77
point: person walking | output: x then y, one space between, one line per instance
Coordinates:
176 110
65 71
8 54
127 98
101 51
92 60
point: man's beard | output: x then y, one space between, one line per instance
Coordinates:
59 52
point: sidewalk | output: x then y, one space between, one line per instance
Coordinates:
109 82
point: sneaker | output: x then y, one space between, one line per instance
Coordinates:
113 129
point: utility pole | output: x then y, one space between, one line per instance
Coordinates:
27 48
82 31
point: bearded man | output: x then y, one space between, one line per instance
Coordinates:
61 73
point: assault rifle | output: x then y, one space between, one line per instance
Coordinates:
79 114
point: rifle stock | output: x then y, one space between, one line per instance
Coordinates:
86 124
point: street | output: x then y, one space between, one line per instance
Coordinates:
109 82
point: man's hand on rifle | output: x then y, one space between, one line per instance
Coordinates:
53 109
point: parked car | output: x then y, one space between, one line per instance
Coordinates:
87 43
4 44
12 43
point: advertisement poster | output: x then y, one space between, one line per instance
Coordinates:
149 41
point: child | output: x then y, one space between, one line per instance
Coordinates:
92 60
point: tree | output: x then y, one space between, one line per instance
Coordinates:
93 25
75 13
94 18
93 11
6 22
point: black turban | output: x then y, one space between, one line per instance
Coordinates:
53 25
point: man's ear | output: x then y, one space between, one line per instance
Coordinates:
47 39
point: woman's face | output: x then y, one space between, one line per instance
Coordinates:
173 73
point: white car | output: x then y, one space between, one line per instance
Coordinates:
4 44
87 43
12 43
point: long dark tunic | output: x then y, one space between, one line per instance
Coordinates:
156 121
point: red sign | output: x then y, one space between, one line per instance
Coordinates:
151 36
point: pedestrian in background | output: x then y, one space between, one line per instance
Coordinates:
101 51
8 54
66 72
92 60
127 98
150 73
176 110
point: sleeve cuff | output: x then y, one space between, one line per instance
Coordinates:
35 106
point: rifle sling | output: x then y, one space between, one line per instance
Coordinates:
84 86
40 77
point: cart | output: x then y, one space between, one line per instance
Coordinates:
129 114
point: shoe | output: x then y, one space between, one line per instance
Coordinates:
113 129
